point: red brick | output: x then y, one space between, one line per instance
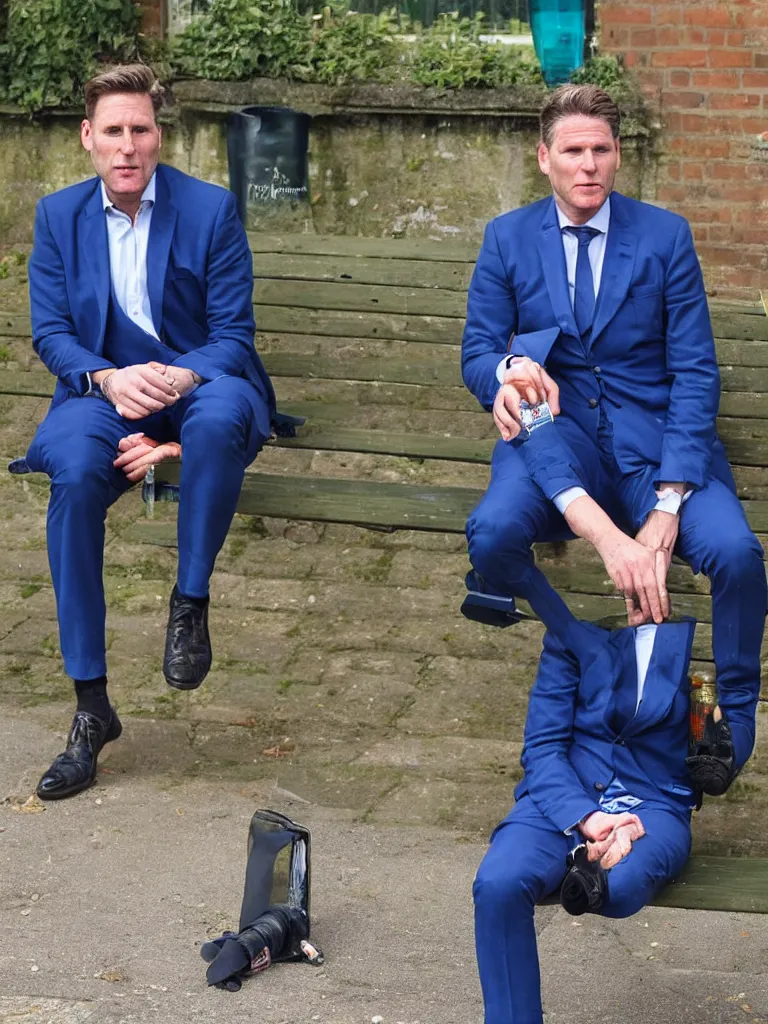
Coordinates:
733 172
700 234
672 170
672 193
618 37
761 60
753 125
625 14
734 101
693 172
734 38
668 14
731 58
721 233
699 147
686 100
737 193
751 218
643 38
669 35
703 214
755 79
715 79
715 16
679 59
679 78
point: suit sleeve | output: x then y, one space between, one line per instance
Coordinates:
491 321
229 302
549 461
691 361
54 336
551 781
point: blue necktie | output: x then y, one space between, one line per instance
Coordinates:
584 299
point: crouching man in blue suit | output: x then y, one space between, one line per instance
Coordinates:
141 286
596 302
606 764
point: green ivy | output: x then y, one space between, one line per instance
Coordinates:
51 47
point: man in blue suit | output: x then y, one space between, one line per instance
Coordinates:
607 294
602 813
141 295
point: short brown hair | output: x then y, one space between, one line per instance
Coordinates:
587 100
136 78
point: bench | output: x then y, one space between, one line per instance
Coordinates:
361 337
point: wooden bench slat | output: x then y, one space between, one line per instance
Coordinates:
363 271
740 326
380 248
733 884
361 298
437 330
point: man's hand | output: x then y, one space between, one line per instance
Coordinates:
138 391
139 452
640 574
610 836
181 379
528 381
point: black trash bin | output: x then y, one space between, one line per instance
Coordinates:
267 157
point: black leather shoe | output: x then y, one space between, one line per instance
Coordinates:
187 644
585 885
75 769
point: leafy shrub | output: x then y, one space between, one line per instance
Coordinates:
451 55
240 39
347 46
52 47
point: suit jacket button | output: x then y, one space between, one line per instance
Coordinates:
592 403
597 370
599 787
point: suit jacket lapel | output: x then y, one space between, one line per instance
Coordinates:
550 245
159 246
618 264
97 255
669 663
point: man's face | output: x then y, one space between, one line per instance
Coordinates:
581 165
124 142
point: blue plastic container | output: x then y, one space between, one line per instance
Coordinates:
558 28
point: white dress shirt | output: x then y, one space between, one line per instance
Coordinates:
128 242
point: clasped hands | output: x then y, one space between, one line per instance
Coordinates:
610 836
138 391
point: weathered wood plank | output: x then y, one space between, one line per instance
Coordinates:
361 298
741 353
740 326
371 503
440 330
734 884
363 271
380 248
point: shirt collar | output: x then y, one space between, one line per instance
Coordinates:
148 195
599 222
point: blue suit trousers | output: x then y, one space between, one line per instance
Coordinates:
715 539
525 863
221 426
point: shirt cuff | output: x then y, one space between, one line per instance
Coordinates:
504 365
564 498
670 500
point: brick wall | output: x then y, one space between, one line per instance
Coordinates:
703 66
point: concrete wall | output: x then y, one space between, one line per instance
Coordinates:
382 161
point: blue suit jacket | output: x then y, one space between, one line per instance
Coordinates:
650 350
572 749
199 276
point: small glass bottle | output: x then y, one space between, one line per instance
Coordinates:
703 701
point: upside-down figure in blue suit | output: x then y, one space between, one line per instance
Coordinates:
603 811
141 285
596 302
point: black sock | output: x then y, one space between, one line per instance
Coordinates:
198 602
92 697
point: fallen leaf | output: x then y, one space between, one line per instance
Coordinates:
32 805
